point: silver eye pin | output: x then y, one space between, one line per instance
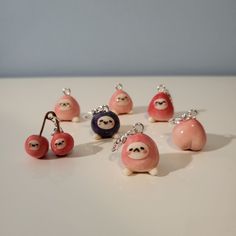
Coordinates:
137 128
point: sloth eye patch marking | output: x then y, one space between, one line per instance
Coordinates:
65 104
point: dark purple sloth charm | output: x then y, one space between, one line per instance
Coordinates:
104 123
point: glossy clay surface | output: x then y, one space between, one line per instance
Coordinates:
121 102
62 143
160 112
105 124
148 157
36 146
189 135
67 108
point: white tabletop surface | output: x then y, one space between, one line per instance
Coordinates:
86 192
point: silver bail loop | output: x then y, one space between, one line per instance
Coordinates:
191 114
137 128
162 88
119 86
66 91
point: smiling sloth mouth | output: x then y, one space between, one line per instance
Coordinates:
136 149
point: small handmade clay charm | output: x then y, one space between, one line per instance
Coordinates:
67 108
61 144
139 152
104 123
120 102
36 146
188 133
161 108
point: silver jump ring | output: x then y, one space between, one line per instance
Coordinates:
119 86
139 127
66 91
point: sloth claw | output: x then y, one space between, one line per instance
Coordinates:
75 119
153 171
151 119
97 136
127 172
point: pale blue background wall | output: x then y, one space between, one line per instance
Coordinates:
117 37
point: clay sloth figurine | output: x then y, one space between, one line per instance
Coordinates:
161 108
67 108
120 102
139 152
104 123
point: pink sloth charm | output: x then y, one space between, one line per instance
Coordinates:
67 108
188 133
120 102
161 108
139 153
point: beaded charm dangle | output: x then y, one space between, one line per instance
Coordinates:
188 133
67 108
104 123
161 108
61 144
139 152
120 102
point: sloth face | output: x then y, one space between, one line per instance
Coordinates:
106 122
34 145
137 150
64 104
161 104
122 99
60 143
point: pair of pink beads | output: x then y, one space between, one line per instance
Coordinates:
61 143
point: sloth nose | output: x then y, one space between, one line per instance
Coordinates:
105 122
136 150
